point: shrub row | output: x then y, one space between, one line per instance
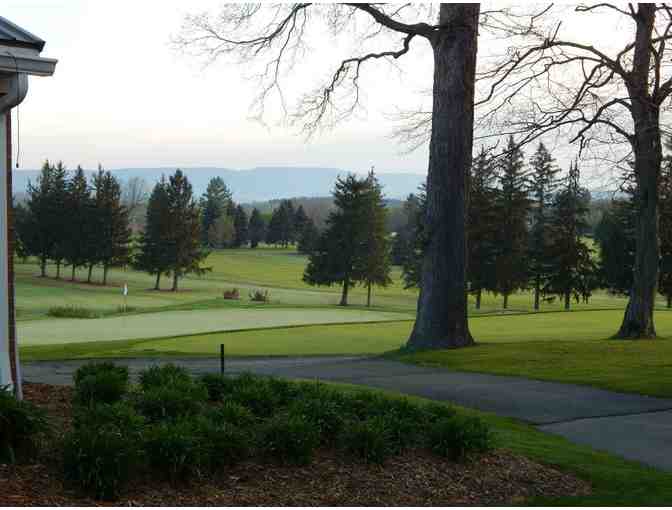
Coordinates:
182 427
72 312
22 426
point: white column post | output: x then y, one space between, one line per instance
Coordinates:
5 366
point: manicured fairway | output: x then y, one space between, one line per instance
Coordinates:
185 322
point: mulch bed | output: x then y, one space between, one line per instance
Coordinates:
416 478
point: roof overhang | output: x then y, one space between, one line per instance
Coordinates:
18 60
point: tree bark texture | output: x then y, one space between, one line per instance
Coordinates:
158 281
441 320
344 293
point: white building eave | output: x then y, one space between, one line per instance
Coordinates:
37 66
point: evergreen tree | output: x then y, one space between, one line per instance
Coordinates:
215 202
571 269
414 238
481 226
257 228
60 220
80 209
240 226
374 260
113 232
309 236
222 233
543 185
273 232
38 232
281 228
300 221
184 248
512 207
337 256
665 230
153 256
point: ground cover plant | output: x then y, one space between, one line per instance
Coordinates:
72 312
186 427
22 426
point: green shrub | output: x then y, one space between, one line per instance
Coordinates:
368 439
289 439
22 424
176 450
100 382
259 296
233 293
164 376
122 415
172 401
324 414
218 386
257 394
222 443
72 312
459 436
232 413
100 458
435 412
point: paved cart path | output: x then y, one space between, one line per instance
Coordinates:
633 426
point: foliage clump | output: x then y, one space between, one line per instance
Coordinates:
21 426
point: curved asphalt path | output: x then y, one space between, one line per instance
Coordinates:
633 426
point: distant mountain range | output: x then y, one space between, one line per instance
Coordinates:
256 184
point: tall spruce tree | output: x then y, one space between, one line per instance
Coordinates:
665 229
153 257
60 220
300 221
241 227
543 186
80 210
512 206
256 228
414 239
375 263
571 269
309 235
339 249
37 232
113 232
481 226
183 247
215 202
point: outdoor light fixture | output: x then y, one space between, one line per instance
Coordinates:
19 58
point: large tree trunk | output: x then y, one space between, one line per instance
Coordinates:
537 291
567 300
88 278
176 278
368 295
74 268
43 267
105 268
158 281
505 304
441 320
58 269
479 293
638 317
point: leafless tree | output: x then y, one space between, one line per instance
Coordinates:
278 37
134 193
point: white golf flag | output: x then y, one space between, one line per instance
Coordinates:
125 289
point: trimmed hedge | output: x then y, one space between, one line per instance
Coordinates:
22 425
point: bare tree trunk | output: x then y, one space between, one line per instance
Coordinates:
669 300
43 267
368 295
74 268
105 269
158 280
58 269
505 305
478 299
441 320
344 294
638 318
537 291
567 300
88 278
176 277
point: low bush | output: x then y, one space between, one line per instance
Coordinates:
159 376
126 309
459 436
231 293
259 296
72 312
22 425
218 386
289 438
100 458
176 450
232 413
122 415
171 401
324 414
100 383
223 443
260 395
367 439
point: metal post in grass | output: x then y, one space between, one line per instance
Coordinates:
221 359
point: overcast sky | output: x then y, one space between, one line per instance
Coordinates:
123 96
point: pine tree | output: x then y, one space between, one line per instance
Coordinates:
59 220
571 269
153 256
309 236
241 227
300 221
414 238
339 247
256 228
512 207
543 185
281 229
184 248
222 233
114 233
481 226
216 201
80 210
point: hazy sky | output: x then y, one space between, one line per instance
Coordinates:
123 96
